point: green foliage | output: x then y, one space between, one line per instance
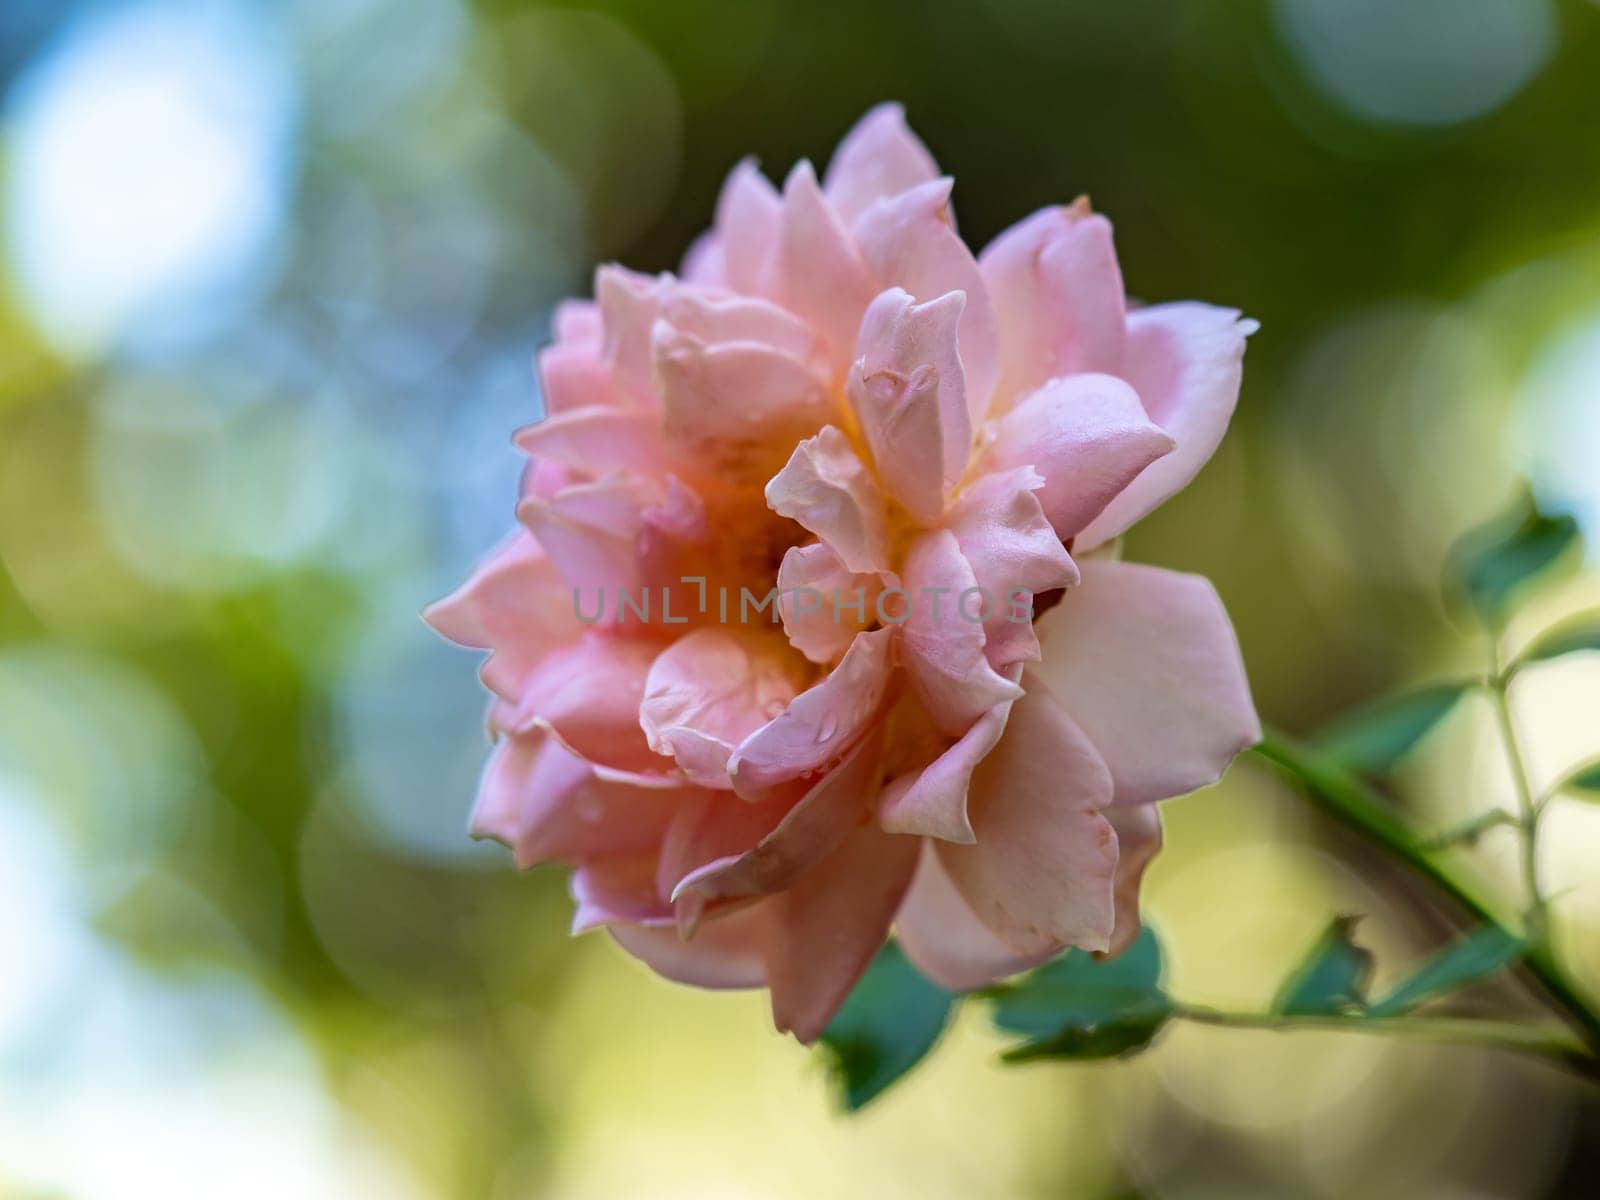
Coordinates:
1114 1038
1572 636
1081 1007
1584 783
1490 567
891 1020
1332 978
1377 736
1482 953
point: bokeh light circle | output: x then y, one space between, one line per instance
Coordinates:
1419 62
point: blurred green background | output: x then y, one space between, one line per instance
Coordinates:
272 279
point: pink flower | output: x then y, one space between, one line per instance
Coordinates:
835 400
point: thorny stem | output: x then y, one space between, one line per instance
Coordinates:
1349 799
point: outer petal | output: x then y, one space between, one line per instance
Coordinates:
572 371
545 803
1138 839
817 598
944 648
702 262
820 275
575 376
577 322
829 490
589 694
516 605
1146 662
1057 289
1040 875
708 691
932 801
618 889
827 927
747 230
909 391
1185 361
1088 436
732 409
879 157
628 307
591 530
725 952
910 241
944 938
809 943
833 808
820 723
597 439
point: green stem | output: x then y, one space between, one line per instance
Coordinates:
1469 832
1537 919
1349 799
1460 1031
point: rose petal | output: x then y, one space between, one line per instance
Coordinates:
909 241
617 890
820 274
515 605
828 489
1014 554
1146 662
818 598
1138 829
944 648
944 939
702 262
1057 290
819 724
598 440
819 822
727 951
1185 361
628 308
707 691
1088 436
546 803
717 317
589 693
932 801
908 389
748 214
577 322
826 928
732 410
590 532
879 157
1041 871
575 376
714 828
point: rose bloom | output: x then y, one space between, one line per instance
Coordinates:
834 394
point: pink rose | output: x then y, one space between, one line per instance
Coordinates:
835 401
